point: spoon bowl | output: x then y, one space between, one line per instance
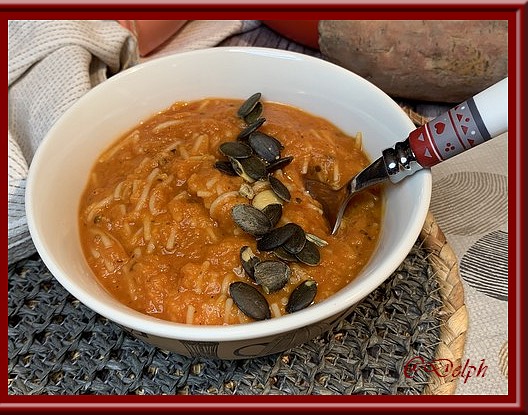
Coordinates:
334 201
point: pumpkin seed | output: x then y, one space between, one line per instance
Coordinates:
239 170
253 167
276 140
277 237
235 149
250 169
248 105
281 253
316 240
249 300
225 167
265 198
272 275
265 146
296 241
250 219
302 296
279 188
254 115
309 255
248 260
279 164
250 128
274 212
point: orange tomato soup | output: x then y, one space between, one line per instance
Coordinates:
155 217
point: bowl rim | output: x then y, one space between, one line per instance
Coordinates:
335 305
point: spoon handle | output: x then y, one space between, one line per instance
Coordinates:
463 127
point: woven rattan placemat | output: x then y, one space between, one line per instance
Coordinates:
58 346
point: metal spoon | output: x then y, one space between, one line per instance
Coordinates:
463 127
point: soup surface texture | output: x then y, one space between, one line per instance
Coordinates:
156 220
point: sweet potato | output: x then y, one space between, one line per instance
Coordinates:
431 60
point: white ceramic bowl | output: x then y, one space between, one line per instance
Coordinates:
61 166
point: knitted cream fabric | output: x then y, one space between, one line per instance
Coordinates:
51 64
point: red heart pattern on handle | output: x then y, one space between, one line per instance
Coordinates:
439 127
448 134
